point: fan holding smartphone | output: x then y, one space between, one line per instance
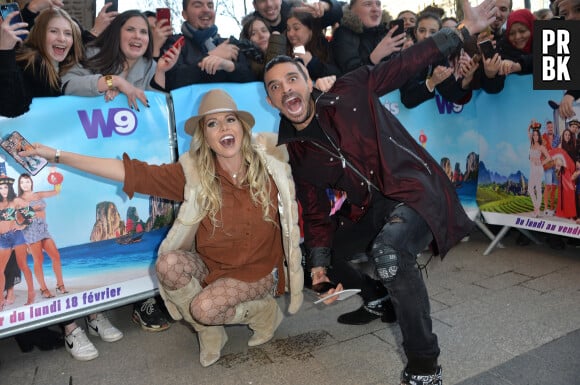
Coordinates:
400 24
11 13
7 9
131 72
487 49
31 69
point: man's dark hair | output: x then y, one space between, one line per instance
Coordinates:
285 59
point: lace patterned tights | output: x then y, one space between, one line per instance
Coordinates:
216 303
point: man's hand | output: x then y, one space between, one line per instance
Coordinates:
317 9
318 276
331 291
211 64
325 83
226 51
478 18
36 6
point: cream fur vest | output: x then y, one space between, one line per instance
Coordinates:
181 236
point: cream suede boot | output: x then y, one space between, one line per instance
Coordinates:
211 338
263 316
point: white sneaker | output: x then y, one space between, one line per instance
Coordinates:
101 326
79 346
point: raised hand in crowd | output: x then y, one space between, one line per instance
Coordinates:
491 66
161 30
10 35
315 9
478 18
387 46
103 20
36 6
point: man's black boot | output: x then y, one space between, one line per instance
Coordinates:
368 312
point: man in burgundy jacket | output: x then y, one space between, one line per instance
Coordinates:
346 140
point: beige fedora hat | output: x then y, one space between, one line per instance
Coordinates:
215 101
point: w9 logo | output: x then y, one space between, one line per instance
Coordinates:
119 120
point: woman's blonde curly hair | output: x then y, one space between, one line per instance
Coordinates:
256 177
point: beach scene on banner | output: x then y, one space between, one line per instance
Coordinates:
528 169
96 242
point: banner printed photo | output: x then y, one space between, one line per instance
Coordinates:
106 243
519 185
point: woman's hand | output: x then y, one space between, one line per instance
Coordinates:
103 20
492 66
467 68
211 64
10 35
165 63
41 150
133 93
507 67
387 46
35 6
440 73
168 60
111 94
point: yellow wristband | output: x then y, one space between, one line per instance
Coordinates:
109 80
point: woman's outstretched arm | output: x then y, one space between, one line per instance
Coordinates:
104 167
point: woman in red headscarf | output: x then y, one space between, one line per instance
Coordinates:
516 44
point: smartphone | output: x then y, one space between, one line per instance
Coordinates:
178 44
163 14
7 9
487 48
114 7
13 144
400 26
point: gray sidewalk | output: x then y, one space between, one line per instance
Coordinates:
512 317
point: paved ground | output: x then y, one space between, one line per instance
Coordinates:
511 317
